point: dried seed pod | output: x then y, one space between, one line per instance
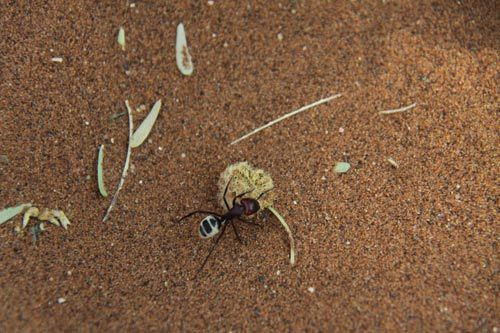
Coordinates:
244 178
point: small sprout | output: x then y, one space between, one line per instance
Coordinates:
54 216
304 108
47 215
4 159
341 167
121 38
18 231
182 56
59 214
31 212
393 162
406 108
100 172
145 127
8 213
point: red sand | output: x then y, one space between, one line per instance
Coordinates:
408 249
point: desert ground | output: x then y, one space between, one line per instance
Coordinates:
411 247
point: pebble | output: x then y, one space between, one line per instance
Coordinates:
311 289
61 300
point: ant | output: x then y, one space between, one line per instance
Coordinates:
215 223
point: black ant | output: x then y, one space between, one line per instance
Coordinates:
214 223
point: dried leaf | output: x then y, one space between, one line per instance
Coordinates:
393 162
182 56
145 127
100 172
121 38
341 167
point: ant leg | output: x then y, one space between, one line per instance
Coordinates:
198 212
236 233
211 250
225 192
240 195
250 222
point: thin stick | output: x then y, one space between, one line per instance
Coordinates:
127 162
406 108
321 101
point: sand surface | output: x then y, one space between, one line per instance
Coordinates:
380 249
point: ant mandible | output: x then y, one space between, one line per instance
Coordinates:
214 223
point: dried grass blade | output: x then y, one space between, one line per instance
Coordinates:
100 172
121 38
289 232
182 56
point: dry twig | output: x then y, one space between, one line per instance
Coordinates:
406 108
127 162
321 101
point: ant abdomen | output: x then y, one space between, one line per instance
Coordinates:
209 226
